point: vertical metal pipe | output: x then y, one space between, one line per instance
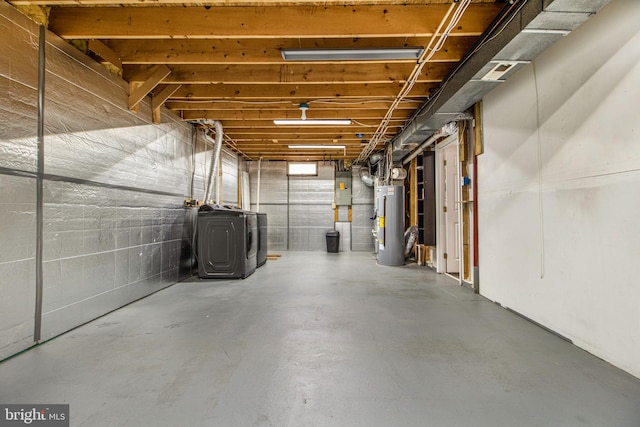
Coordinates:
258 190
215 159
39 186
288 201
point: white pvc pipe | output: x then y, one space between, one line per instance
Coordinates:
420 149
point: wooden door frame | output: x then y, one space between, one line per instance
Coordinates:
441 266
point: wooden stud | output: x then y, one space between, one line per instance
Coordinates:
104 52
413 192
133 87
477 116
138 93
464 206
159 99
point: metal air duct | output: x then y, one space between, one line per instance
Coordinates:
519 34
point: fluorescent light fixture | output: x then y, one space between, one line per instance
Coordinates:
352 54
318 147
545 31
311 122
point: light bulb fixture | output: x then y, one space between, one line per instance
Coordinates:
311 122
353 54
303 121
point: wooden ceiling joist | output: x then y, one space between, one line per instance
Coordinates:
315 114
262 22
104 52
223 2
291 105
222 60
361 125
308 91
140 90
263 51
315 132
293 73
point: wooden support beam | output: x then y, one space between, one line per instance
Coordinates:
214 3
288 104
478 140
254 92
367 125
133 87
104 52
294 73
294 138
413 192
264 51
265 22
138 93
267 114
273 133
463 134
159 99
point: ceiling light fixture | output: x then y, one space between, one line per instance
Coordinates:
545 31
352 54
306 122
319 147
303 121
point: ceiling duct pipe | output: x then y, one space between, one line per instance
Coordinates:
447 130
523 29
375 158
217 145
367 179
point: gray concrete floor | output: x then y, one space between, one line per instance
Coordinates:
317 339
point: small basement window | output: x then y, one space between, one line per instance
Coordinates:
302 168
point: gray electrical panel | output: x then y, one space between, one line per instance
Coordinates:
343 189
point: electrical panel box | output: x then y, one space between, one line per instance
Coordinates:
343 188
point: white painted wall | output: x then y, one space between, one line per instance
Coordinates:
559 202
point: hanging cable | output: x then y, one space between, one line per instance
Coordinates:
498 28
452 16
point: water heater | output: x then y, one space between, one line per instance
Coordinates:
390 224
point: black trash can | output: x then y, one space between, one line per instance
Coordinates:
333 241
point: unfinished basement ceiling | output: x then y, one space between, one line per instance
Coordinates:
222 60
